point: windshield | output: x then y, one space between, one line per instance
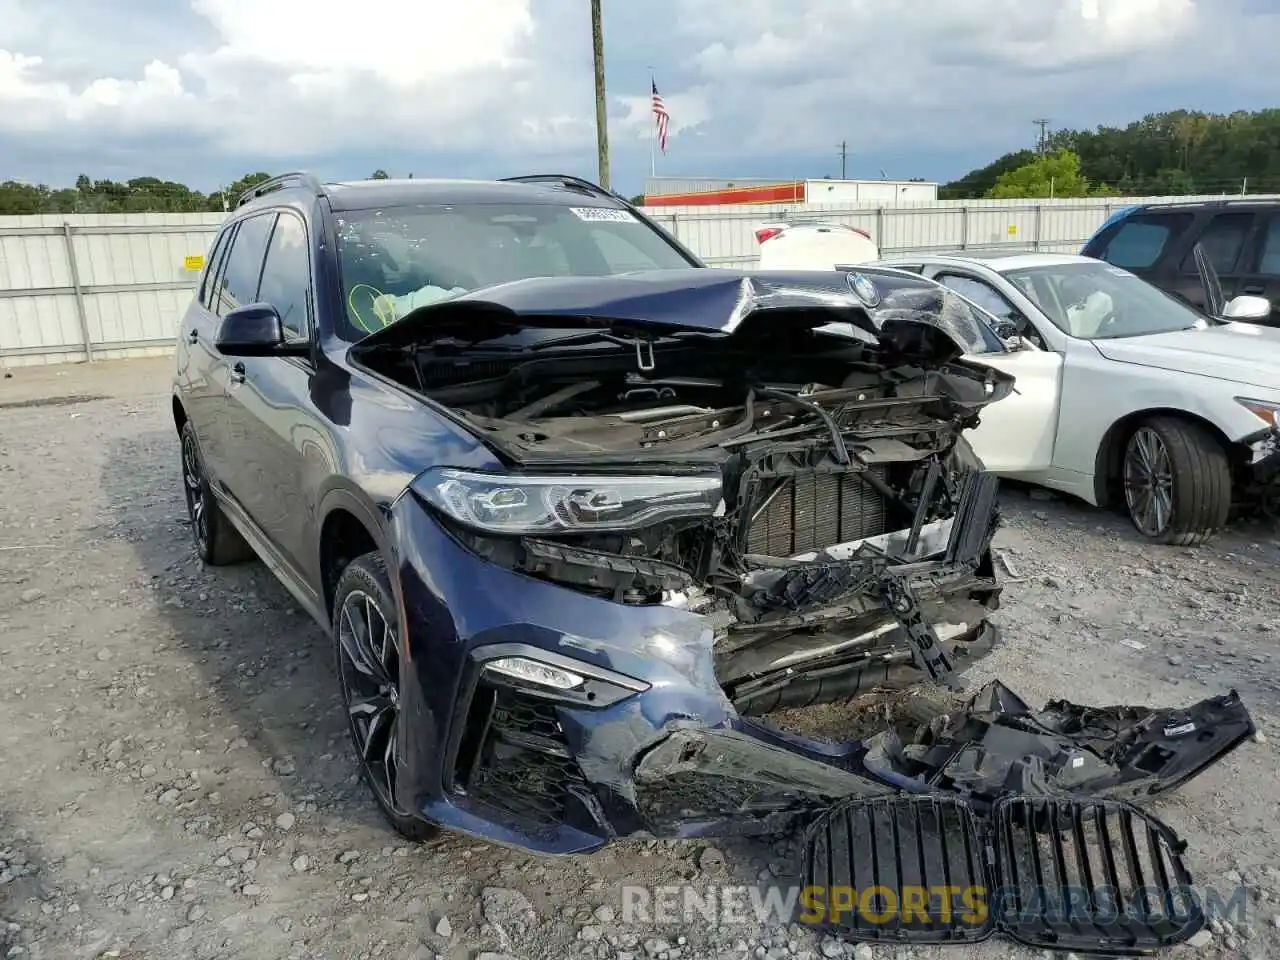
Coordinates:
1096 301
394 260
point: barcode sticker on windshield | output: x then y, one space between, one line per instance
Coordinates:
603 215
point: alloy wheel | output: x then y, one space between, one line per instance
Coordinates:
1148 482
193 485
369 664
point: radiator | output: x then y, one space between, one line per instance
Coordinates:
817 510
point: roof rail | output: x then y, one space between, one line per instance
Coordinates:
296 178
1216 202
566 180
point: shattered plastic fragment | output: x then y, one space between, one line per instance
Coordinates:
997 745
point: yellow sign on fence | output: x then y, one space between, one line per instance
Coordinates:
1013 229
194 264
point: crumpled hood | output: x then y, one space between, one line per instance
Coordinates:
1239 352
710 300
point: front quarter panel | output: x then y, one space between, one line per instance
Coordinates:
456 606
1098 392
377 439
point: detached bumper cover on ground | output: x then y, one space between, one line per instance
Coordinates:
1021 832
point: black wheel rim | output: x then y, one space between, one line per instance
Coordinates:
193 484
1148 482
369 664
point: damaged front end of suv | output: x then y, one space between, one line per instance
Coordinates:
714 500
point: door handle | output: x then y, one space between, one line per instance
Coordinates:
193 335
237 373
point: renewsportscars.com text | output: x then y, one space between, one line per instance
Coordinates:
919 906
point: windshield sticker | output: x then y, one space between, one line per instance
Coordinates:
603 215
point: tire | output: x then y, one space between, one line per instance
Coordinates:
1176 480
371 691
218 543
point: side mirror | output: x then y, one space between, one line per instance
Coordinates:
254 330
1005 329
1247 308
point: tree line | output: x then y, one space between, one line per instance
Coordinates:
1178 153
139 195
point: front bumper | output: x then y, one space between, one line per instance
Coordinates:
494 756
648 745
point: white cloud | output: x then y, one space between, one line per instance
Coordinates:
254 80
31 103
805 74
401 42
411 75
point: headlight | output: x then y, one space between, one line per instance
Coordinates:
517 504
1267 412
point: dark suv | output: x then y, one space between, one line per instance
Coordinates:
1156 242
588 523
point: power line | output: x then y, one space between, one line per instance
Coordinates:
1043 124
602 113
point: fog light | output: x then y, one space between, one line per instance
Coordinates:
531 671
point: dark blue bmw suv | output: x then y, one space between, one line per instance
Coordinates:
586 521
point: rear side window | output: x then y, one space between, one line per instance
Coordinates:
1223 239
1270 260
211 267
238 284
1140 241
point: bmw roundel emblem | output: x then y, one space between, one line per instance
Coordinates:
864 289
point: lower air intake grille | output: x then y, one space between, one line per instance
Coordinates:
514 757
1091 874
925 853
817 510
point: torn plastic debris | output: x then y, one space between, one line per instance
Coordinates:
1089 876
996 745
1014 823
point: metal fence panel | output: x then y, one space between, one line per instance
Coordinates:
118 280
121 281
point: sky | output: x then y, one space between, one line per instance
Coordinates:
203 91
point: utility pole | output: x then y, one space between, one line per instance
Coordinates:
602 113
1043 124
844 155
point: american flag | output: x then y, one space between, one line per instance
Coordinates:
661 116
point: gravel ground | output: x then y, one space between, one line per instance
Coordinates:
175 778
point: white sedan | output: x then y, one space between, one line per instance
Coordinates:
1124 394
812 245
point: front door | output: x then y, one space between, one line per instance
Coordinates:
1016 434
237 285
1223 241
270 406
1260 273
